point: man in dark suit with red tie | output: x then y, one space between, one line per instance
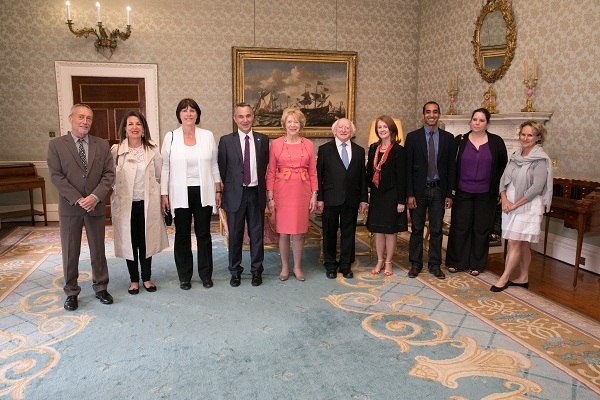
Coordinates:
243 157
430 181
82 169
342 195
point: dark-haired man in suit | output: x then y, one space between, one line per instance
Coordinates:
243 157
82 169
342 195
431 176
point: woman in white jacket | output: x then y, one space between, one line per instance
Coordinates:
138 226
191 187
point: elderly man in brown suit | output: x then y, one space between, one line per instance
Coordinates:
82 169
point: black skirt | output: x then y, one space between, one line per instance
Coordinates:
383 213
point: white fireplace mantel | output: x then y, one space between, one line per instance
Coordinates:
503 125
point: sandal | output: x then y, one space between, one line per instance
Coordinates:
389 272
453 270
378 267
473 272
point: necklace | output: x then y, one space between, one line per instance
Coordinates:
292 166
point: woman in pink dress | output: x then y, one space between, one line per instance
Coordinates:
291 188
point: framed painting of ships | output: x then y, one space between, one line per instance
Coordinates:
321 83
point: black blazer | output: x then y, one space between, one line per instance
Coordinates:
393 172
231 168
337 185
417 159
499 158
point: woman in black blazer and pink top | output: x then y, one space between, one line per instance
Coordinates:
386 176
480 162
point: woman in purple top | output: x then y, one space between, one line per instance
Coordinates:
480 162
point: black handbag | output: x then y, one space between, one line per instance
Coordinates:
168 218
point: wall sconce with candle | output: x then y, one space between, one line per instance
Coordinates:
106 42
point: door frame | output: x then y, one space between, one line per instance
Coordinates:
67 69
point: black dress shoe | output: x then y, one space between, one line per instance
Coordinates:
331 274
497 289
71 303
437 272
347 274
235 280
207 283
256 279
185 285
523 285
414 271
104 297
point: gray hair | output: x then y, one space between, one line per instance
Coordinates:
242 104
75 106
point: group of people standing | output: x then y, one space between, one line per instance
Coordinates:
192 176
471 174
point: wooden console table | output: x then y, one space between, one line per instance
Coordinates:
19 177
577 203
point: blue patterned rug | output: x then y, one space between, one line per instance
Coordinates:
371 337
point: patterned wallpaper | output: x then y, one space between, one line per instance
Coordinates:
565 45
191 42
406 48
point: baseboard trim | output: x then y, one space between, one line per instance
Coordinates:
563 249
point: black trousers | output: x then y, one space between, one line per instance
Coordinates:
431 203
341 217
250 213
184 260
138 243
473 216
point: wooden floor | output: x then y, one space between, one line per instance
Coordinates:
549 278
553 280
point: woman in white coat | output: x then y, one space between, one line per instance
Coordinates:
191 188
138 225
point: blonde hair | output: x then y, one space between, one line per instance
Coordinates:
294 112
538 128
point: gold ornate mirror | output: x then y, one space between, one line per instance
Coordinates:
494 40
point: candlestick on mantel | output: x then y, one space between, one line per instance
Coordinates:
128 15
98 7
525 76
535 68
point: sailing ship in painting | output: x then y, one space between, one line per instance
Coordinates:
316 106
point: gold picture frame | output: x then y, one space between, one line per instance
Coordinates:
321 83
